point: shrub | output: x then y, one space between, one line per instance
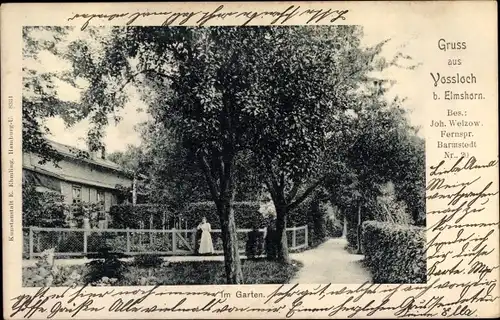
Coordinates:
394 253
352 234
105 265
389 209
246 214
148 261
43 209
116 243
96 242
46 274
334 229
87 210
130 216
255 244
271 243
313 212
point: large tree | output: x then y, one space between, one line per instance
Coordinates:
40 96
305 79
195 82
377 145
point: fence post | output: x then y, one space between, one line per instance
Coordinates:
31 243
38 248
294 237
128 241
306 235
174 242
85 242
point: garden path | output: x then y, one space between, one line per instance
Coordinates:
330 263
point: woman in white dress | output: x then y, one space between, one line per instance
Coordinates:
206 245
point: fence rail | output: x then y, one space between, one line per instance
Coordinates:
80 242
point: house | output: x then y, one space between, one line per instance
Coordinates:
92 179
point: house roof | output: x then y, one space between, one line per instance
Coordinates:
70 178
73 153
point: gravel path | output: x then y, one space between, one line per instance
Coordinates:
330 263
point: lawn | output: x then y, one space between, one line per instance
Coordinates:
191 273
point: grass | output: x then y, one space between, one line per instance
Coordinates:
258 271
212 272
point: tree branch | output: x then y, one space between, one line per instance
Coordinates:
294 191
282 182
212 184
271 190
273 181
306 193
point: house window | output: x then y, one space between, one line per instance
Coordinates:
77 194
100 196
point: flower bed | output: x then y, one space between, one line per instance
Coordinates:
394 253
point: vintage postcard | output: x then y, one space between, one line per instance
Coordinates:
250 160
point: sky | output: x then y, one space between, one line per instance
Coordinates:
118 136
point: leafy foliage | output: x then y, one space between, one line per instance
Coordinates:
130 216
255 244
126 215
395 253
247 214
313 213
182 273
398 156
334 229
389 209
46 273
105 264
87 210
131 159
40 99
148 261
43 209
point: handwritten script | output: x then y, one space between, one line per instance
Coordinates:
201 18
462 271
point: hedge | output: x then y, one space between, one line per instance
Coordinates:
247 215
129 216
394 253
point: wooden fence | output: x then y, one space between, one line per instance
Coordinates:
69 242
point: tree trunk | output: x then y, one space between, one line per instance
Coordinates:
344 228
134 191
359 231
281 238
222 194
232 261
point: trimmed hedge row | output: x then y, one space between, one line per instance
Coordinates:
394 253
127 215
247 215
